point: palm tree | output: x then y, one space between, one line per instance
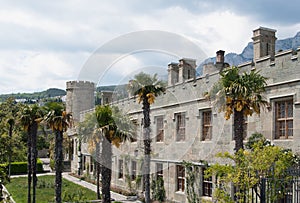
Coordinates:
87 131
114 128
30 117
242 96
59 121
146 88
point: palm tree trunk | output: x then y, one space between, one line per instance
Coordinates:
147 149
106 170
58 164
29 171
34 127
98 169
238 130
239 144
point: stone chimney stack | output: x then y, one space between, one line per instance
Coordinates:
220 56
263 43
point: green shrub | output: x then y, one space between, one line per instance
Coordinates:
21 167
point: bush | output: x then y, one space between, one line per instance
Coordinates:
21 167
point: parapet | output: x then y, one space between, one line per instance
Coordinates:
80 84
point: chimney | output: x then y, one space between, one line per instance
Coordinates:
263 43
220 56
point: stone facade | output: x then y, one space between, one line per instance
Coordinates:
191 126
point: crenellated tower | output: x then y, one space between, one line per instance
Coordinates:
80 97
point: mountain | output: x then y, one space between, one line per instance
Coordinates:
247 53
49 93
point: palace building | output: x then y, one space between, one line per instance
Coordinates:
186 126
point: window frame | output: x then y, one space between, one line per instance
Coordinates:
180 178
159 121
180 126
159 170
136 127
133 170
285 120
207 184
206 127
121 169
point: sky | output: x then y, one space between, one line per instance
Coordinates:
44 44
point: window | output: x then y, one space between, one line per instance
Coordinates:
180 172
135 130
84 162
91 165
159 170
133 170
180 126
121 165
284 119
159 129
206 185
206 125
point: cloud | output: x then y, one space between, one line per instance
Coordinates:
55 39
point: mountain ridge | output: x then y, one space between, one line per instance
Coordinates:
247 53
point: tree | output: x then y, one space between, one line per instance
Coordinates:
11 136
113 128
10 110
87 131
31 116
58 120
146 88
239 95
247 168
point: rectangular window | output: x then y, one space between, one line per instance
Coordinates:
91 164
84 162
206 185
159 129
133 170
180 173
135 130
206 125
121 166
284 119
159 170
180 126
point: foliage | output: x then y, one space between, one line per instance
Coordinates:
246 168
240 95
146 86
114 124
3 174
57 118
192 177
158 189
12 145
76 196
242 92
256 137
21 167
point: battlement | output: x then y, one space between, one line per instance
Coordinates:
80 84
